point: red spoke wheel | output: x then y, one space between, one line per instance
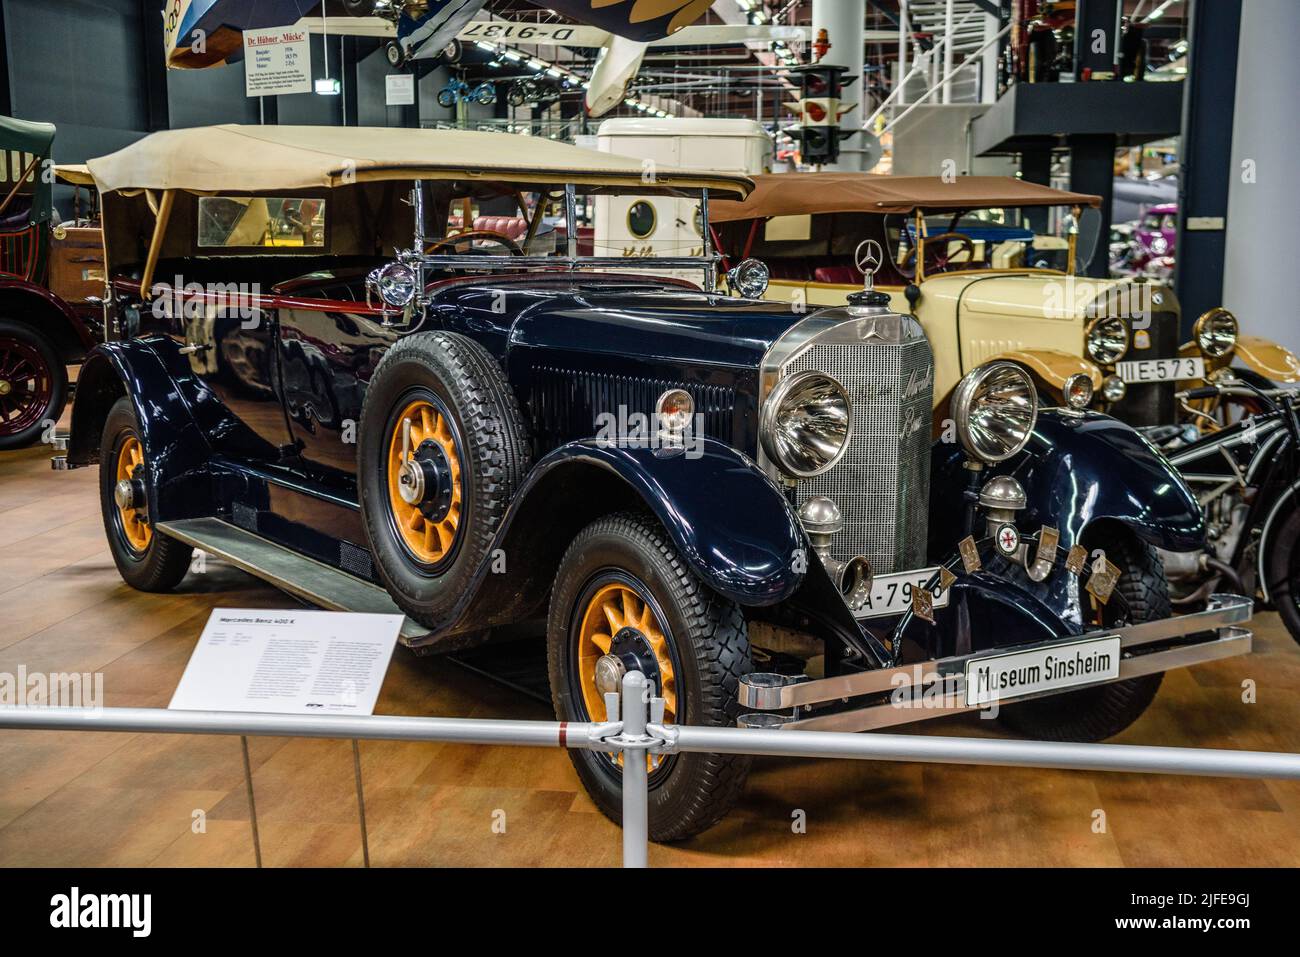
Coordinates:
33 385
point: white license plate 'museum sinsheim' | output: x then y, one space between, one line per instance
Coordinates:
1043 669
1161 370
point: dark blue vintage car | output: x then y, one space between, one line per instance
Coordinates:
352 363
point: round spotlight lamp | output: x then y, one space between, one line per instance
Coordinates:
395 283
995 407
749 278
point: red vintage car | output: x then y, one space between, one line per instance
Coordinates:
51 278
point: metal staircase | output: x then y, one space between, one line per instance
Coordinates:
968 26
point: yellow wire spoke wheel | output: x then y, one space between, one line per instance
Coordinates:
613 609
132 521
429 541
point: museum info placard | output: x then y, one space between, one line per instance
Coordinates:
288 662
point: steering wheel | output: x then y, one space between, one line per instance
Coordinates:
473 235
938 257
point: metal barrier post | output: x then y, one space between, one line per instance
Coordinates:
636 793
252 805
361 803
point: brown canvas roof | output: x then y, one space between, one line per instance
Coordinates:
258 158
796 194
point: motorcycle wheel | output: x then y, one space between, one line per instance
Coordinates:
1282 569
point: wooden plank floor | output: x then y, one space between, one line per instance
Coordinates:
107 799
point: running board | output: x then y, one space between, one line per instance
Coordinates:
304 578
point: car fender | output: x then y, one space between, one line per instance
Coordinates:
1078 469
1051 366
174 444
725 517
71 335
1274 362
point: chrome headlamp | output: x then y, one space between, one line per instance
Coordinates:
749 278
995 408
394 283
1216 332
1106 340
805 424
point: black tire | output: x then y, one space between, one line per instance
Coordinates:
709 647
42 370
359 8
1282 571
163 563
1094 714
492 449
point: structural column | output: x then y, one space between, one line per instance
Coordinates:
1261 283
1036 167
1092 170
845 25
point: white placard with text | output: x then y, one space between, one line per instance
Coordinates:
399 89
288 662
277 61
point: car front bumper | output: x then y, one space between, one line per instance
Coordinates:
932 689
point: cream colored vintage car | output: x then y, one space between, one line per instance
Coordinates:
986 287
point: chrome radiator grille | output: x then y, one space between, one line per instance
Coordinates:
882 484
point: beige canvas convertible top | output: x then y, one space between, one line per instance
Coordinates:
798 194
253 159
74 173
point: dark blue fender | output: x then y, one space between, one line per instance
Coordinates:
1077 470
996 607
726 518
176 449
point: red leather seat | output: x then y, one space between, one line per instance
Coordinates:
795 270
844 275
516 227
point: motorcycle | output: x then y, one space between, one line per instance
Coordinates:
1246 475
457 90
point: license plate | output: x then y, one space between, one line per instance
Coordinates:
1161 370
892 594
1045 669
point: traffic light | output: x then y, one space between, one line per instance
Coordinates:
819 110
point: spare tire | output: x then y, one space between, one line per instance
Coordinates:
434 491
